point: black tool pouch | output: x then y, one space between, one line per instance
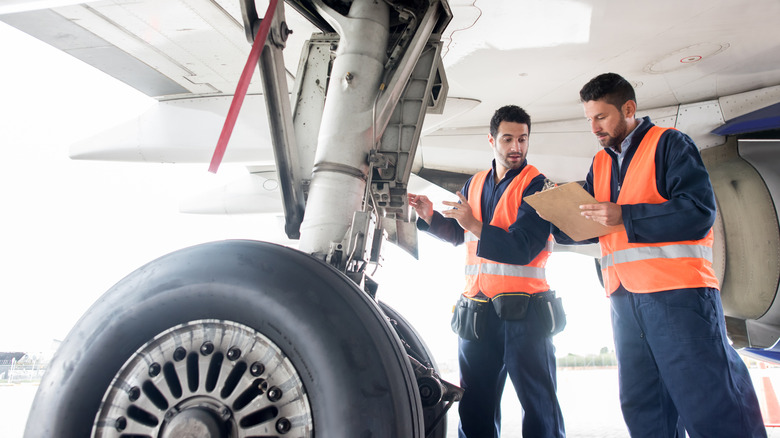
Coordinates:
468 318
550 311
511 306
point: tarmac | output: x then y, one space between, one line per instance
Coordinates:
591 409
588 398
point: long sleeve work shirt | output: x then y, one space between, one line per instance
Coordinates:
518 245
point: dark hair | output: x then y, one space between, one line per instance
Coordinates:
509 113
610 87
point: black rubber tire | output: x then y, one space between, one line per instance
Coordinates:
351 362
422 353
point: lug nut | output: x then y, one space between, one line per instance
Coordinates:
179 354
274 394
283 425
207 348
256 369
233 354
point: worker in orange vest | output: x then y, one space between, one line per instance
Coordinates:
676 365
507 314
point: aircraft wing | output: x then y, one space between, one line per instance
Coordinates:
188 55
169 50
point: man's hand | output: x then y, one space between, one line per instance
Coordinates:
605 213
461 211
422 205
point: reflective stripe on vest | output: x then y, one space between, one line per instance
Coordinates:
505 270
654 252
647 267
490 277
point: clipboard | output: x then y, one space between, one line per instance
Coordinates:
561 206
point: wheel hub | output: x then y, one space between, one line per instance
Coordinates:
206 378
194 422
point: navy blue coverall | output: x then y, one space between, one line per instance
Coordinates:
521 349
674 358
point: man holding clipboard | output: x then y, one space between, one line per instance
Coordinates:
656 204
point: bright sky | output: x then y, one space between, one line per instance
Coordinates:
71 229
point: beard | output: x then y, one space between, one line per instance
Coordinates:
504 160
614 140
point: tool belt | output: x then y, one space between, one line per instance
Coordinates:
511 306
550 311
470 315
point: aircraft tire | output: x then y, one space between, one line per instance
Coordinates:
421 352
143 357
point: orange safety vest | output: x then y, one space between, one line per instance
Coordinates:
647 267
494 278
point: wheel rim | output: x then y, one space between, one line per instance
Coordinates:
206 378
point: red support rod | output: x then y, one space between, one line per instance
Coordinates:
243 85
